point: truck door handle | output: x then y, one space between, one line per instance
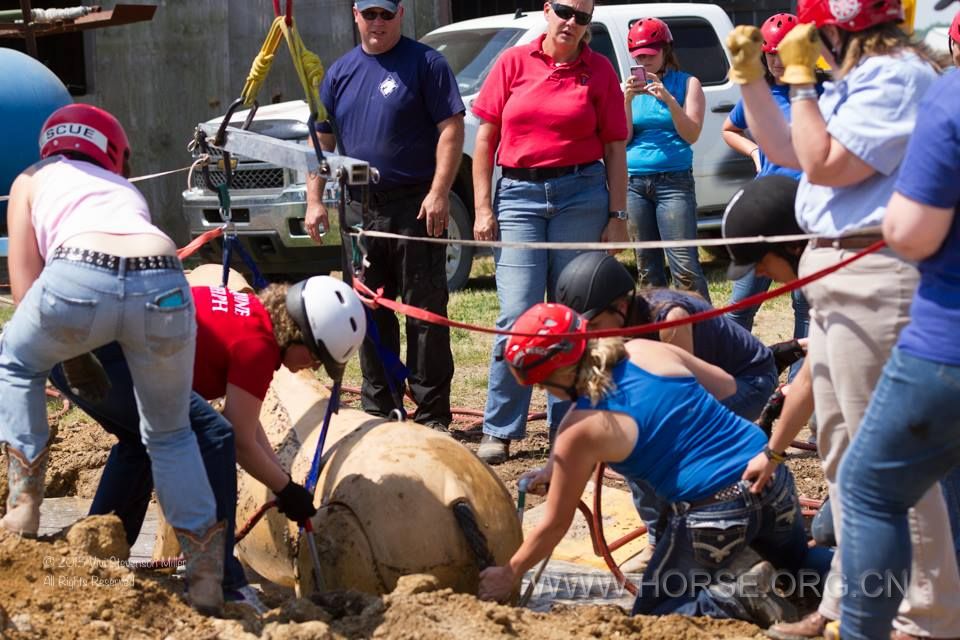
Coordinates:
723 107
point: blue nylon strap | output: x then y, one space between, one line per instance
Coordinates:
395 371
333 405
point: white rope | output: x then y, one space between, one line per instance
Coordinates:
607 246
137 179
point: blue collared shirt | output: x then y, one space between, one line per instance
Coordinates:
871 112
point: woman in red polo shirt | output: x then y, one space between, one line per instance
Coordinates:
555 109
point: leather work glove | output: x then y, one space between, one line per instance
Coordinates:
745 43
799 52
87 378
786 353
295 502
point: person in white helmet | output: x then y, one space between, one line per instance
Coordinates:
242 339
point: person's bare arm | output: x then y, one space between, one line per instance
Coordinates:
688 119
435 208
681 336
767 124
915 231
24 262
316 214
796 413
672 361
485 223
615 161
254 454
825 161
736 139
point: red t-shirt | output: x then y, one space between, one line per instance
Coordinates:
552 116
235 343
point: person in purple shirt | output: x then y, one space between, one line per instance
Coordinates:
910 435
394 102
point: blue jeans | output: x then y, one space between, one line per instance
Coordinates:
752 284
572 208
908 440
663 206
73 308
126 482
698 544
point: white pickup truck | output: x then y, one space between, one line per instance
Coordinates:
271 202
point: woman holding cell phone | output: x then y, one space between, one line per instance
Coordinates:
664 108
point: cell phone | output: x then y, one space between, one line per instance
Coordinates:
639 72
172 299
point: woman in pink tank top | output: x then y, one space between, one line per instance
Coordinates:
87 268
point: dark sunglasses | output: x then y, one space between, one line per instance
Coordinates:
372 14
565 12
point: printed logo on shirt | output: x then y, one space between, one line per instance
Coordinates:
220 301
388 86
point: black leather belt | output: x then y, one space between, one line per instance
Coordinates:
850 242
724 495
541 174
111 262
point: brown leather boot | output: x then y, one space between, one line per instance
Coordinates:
810 626
204 556
26 481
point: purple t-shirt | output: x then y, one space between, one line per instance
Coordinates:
930 175
386 109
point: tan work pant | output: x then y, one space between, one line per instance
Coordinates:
856 314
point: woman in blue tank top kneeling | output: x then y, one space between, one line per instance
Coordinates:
649 410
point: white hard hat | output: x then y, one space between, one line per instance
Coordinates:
331 318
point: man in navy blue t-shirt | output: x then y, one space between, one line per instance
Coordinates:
910 435
394 102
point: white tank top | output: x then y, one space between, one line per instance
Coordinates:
73 197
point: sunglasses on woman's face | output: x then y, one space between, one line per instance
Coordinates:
565 12
372 14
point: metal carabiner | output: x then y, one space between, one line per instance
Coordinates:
221 136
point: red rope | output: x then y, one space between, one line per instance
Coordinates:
198 242
374 298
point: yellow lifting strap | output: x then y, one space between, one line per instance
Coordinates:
308 65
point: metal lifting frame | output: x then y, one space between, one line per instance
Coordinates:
290 155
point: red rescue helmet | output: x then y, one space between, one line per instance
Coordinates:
647 36
534 358
850 15
89 130
775 28
955 28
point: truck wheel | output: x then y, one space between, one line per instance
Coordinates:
459 257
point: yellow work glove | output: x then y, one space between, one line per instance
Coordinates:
799 52
745 44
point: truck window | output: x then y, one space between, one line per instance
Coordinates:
601 42
472 53
699 50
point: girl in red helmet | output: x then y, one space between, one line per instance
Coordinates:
664 109
88 267
649 410
850 143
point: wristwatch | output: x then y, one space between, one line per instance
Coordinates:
619 215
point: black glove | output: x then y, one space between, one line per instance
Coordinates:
786 353
87 378
295 502
771 411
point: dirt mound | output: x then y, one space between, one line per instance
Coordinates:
100 537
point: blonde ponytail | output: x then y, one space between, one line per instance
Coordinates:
595 374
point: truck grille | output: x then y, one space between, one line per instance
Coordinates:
263 178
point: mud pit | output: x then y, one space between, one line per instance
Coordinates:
53 588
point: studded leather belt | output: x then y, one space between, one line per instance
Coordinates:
112 263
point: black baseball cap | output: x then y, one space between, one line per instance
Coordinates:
765 207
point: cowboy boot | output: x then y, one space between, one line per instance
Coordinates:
26 481
204 558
